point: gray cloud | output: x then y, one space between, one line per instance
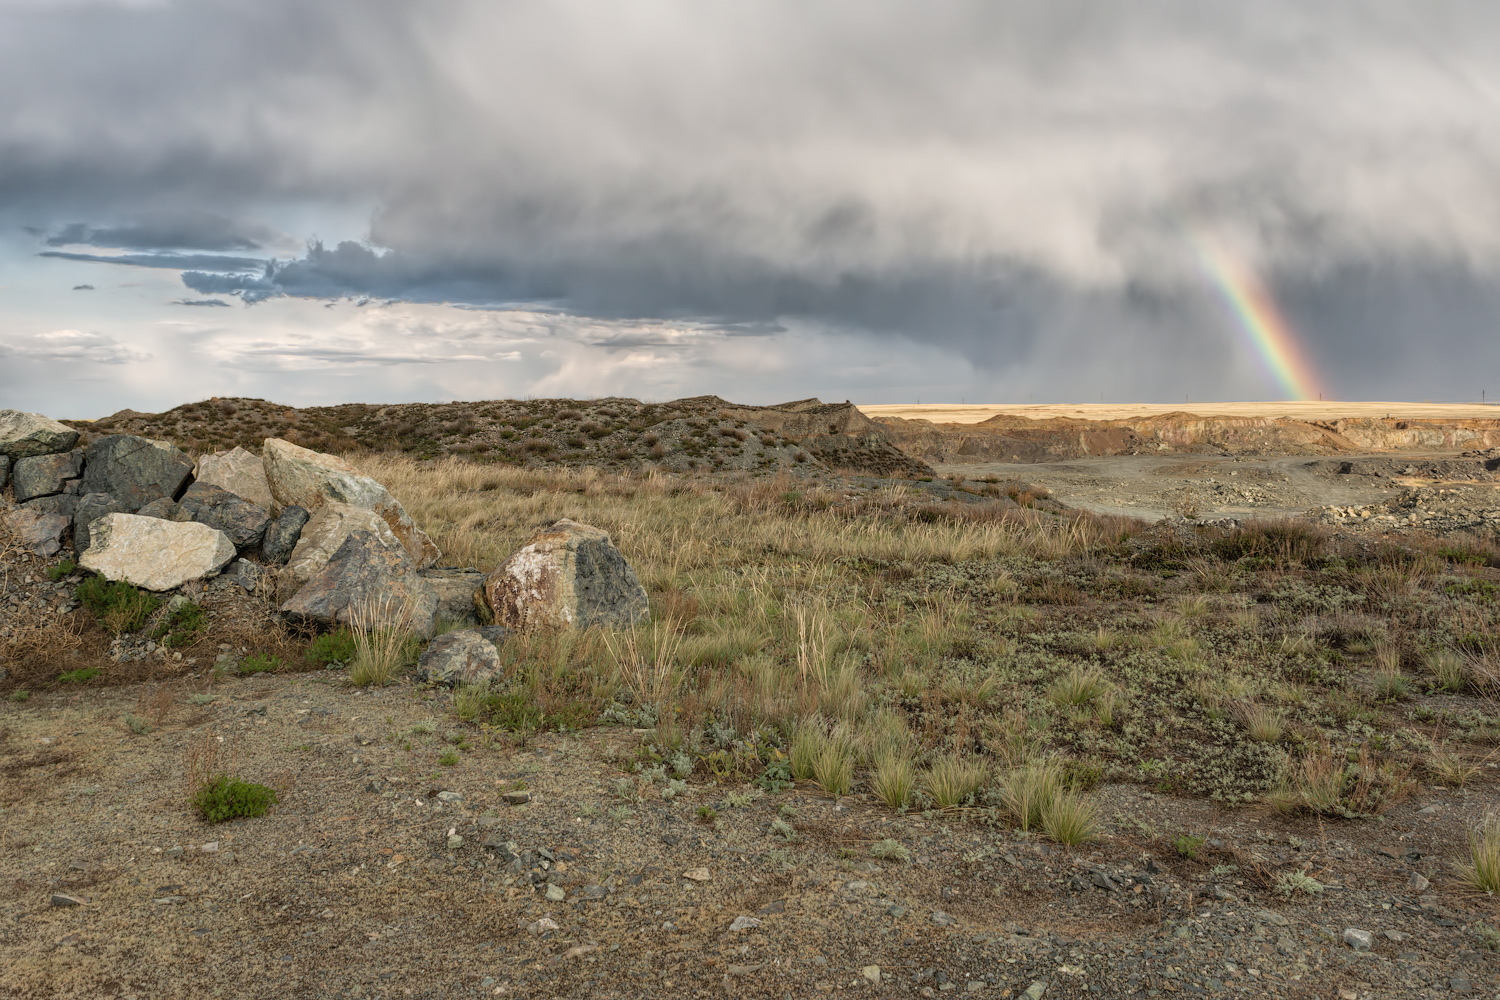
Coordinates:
83 288
985 177
201 302
73 345
168 230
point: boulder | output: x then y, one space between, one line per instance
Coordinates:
62 503
457 590
134 469
154 554
310 479
570 574
90 508
244 522
326 531
46 475
366 574
460 657
36 531
281 537
241 472
23 435
162 508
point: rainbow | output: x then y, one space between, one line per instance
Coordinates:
1256 314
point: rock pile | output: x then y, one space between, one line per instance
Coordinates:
334 544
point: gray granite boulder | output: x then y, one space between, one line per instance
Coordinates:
244 522
570 574
91 507
370 576
36 531
457 590
47 475
134 469
64 504
282 534
162 508
23 435
463 656
240 472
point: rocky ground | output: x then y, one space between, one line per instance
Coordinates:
382 872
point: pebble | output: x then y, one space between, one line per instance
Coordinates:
517 798
744 923
1035 990
872 973
1271 917
1418 883
1396 936
697 874
896 911
1359 940
943 919
543 925
455 841
63 899
555 893
450 797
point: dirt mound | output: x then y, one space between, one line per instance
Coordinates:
701 433
1009 438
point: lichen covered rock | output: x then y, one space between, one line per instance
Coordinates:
23 435
369 575
571 574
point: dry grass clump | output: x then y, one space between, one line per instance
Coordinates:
953 780
894 779
1071 818
1027 791
381 629
1483 868
1262 724
1328 783
1078 687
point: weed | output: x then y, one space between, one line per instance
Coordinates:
62 569
182 626
1487 937
833 768
1483 870
1451 769
119 607
1027 791
262 663
1449 669
224 798
889 850
202 699
1262 724
80 676
707 814
1078 687
332 648
781 828
1187 845
20 694
449 758
1288 884
135 724
470 700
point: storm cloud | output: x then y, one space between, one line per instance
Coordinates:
1005 181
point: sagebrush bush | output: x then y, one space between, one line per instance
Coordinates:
119 607
330 648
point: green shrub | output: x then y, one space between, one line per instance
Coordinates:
81 676
332 648
119 607
182 626
262 663
225 798
61 570
20 694
1187 845
889 850
135 724
449 759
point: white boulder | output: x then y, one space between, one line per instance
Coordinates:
241 472
154 554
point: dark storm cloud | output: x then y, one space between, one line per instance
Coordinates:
980 176
168 230
170 261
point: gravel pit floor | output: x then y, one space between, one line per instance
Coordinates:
383 873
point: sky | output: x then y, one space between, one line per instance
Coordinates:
1064 200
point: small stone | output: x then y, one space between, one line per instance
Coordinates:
1418 883
743 923
1104 882
543 925
943 919
485 822
1271 917
210 847
517 798
872 973
170 900
1035 990
487 982
593 892
455 842
1397 936
63 899
973 986
1458 984
1359 940
173 852
697 874
555 893
897 911
450 796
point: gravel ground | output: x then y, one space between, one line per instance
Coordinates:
382 873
